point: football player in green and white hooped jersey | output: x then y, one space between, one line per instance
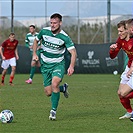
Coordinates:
29 43
54 43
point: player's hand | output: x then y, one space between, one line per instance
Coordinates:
35 58
3 58
70 71
113 47
17 57
129 73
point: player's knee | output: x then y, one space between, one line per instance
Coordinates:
13 68
33 63
48 93
4 72
123 95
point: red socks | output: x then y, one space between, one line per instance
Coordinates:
11 79
126 102
130 95
3 77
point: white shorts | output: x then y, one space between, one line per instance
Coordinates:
5 63
125 79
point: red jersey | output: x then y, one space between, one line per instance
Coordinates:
127 46
9 48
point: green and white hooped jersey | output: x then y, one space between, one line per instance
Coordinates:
53 46
30 39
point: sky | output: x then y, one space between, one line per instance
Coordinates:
42 8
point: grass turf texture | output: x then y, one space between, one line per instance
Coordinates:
93 106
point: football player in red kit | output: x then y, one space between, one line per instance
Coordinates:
9 55
125 91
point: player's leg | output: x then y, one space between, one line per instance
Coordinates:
12 63
51 89
38 64
48 90
34 64
4 66
124 90
3 76
60 73
47 79
32 71
13 69
55 97
33 68
125 93
125 101
64 88
57 76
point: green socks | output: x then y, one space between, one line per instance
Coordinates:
55 99
32 71
61 88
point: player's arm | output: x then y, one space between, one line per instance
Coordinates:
16 53
35 45
1 52
113 47
26 41
114 50
72 62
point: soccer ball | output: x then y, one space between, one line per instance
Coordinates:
115 72
6 116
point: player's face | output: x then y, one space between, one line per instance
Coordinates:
12 37
55 24
32 30
130 29
122 32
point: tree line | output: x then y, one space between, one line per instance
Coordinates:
89 34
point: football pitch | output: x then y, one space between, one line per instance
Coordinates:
93 106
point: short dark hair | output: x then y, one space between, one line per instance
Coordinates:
56 15
122 23
12 34
32 25
129 21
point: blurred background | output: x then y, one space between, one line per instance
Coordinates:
85 21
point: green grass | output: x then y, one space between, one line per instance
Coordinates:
93 106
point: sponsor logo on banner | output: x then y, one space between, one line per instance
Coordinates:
91 61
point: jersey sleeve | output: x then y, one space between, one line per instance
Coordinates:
69 43
39 36
114 53
3 44
26 41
